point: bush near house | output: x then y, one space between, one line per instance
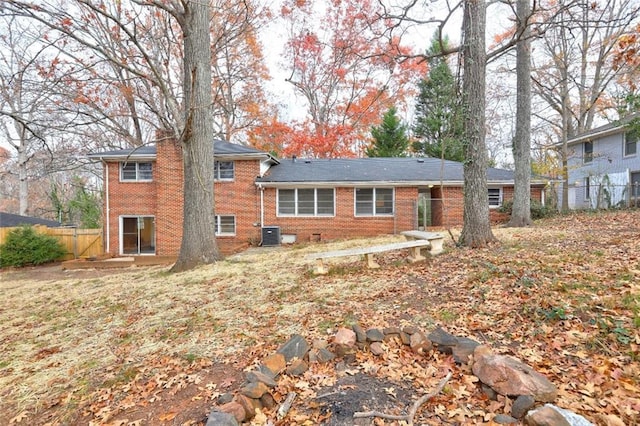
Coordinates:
24 246
538 210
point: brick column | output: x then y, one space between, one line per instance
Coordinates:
168 177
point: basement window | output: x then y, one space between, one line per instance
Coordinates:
225 225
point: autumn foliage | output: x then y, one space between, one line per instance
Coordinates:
345 68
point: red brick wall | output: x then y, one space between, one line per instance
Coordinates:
240 198
344 224
126 198
168 178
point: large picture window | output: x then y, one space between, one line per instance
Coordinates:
135 172
306 202
374 201
225 225
224 170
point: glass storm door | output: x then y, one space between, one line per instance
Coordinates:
138 235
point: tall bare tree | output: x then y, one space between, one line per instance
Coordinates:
521 211
476 230
120 36
573 69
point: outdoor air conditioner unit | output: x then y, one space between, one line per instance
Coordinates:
270 236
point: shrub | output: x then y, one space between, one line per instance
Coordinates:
24 246
538 211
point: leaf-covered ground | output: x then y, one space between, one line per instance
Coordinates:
143 346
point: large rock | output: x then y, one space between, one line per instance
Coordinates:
295 347
443 340
550 415
511 377
218 418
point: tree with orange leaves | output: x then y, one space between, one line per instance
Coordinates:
345 71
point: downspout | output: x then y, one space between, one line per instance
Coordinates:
261 188
107 208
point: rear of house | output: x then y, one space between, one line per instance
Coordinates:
262 200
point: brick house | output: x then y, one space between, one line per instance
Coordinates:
260 199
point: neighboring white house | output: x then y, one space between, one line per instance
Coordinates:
604 166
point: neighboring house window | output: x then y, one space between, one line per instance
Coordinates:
588 152
136 171
587 188
630 144
225 225
374 201
495 197
635 184
306 202
224 170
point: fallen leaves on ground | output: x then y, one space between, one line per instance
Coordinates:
143 344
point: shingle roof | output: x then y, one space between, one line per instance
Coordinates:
9 220
220 148
608 129
358 170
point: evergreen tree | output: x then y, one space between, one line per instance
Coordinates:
438 121
390 138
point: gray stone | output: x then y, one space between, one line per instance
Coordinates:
218 418
521 405
295 347
463 349
570 417
510 376
224 398
324 355
443 340
361 335
376 348
297 367
503 419
488 390
375 335
545 416
391 330
410 329
405 338
259 376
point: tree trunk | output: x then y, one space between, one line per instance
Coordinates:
521 211
198 244
476 230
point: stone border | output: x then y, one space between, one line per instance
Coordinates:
498 374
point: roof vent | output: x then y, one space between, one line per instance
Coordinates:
307 161
420 160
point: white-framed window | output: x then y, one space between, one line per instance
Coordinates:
223 170
306 202
373 201
495 197
587 188
630 144
225 225
136 171
587 151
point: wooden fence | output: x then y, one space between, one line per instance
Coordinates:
78 242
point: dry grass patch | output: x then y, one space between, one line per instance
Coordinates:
555 294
